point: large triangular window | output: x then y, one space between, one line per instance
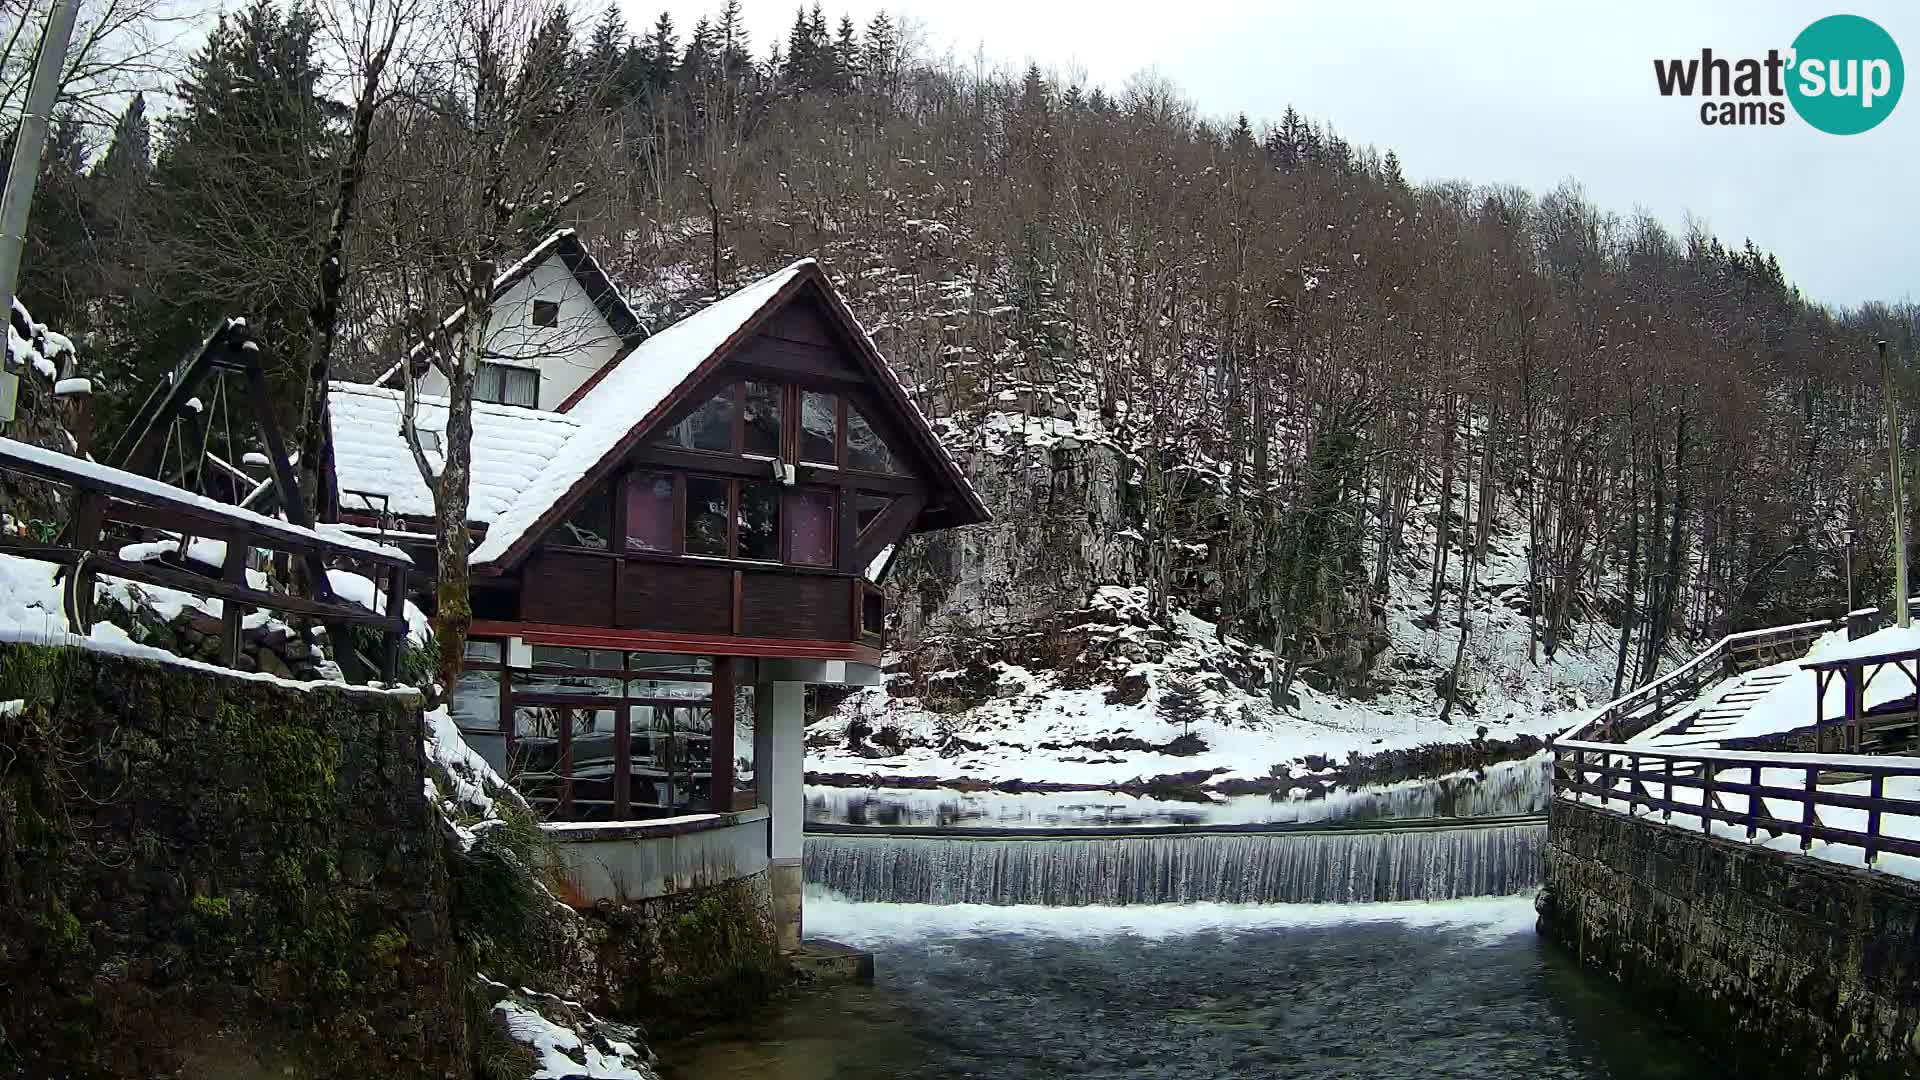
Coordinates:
709 427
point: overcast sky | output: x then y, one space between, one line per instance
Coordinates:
1513 93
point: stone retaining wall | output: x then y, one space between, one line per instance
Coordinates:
1787 965
210 876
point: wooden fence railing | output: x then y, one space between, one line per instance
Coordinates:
102 496
1635 712
1633 778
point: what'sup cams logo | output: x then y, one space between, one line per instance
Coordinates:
1843 75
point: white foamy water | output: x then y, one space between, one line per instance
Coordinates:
872 925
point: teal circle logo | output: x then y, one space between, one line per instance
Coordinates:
1846 74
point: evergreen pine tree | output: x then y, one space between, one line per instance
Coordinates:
662 51
798 66
237 218
736 59
606 54
702 54
880 56
1180 703
846 56
57 264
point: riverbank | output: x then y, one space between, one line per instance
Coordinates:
1310 776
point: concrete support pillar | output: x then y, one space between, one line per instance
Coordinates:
779 762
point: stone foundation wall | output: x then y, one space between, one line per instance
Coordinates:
210 876
671 963
1786 964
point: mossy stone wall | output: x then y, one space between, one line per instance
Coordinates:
1786 965
216 877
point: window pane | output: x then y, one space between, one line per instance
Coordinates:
672 755
865 449
759 521
867 507
743 717
706 516
818 421
670 688
486 383
763 418
520 386
483 650
476 700
546 313
589 524
534 682
650 512
664 663
810 528
710 427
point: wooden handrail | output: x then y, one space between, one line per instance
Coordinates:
102 494
1621 718
1647 776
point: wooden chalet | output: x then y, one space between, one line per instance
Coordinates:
665 522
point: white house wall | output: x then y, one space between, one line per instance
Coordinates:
566 354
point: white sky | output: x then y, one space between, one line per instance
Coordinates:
1514 93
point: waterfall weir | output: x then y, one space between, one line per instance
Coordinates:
1415 860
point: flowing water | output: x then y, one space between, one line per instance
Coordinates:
1303 992
1336 865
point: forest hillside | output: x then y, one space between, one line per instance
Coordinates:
1322 436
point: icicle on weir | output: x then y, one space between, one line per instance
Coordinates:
1437 862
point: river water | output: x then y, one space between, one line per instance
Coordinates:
1512 787
1449 989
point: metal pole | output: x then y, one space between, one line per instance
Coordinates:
1849 552
1894 492
29 140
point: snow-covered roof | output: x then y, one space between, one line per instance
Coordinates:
527 463
512 448
626 395
1894 639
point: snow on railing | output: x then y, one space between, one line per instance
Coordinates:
1870 811
103 494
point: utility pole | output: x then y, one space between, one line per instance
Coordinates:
1894 491
24 173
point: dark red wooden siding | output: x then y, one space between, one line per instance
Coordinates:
692 598
773 604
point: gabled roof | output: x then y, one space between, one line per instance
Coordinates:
512 447
636 391
566 245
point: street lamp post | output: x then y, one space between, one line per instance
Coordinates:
1846 550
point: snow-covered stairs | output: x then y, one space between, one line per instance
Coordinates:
1731 707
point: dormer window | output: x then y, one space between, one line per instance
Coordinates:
546 313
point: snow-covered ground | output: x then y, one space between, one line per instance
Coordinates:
1035 730
1038 723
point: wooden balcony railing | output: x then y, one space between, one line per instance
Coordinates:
103 496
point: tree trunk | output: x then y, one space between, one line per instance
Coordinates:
454 614
1466 583
1630 588
325 314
